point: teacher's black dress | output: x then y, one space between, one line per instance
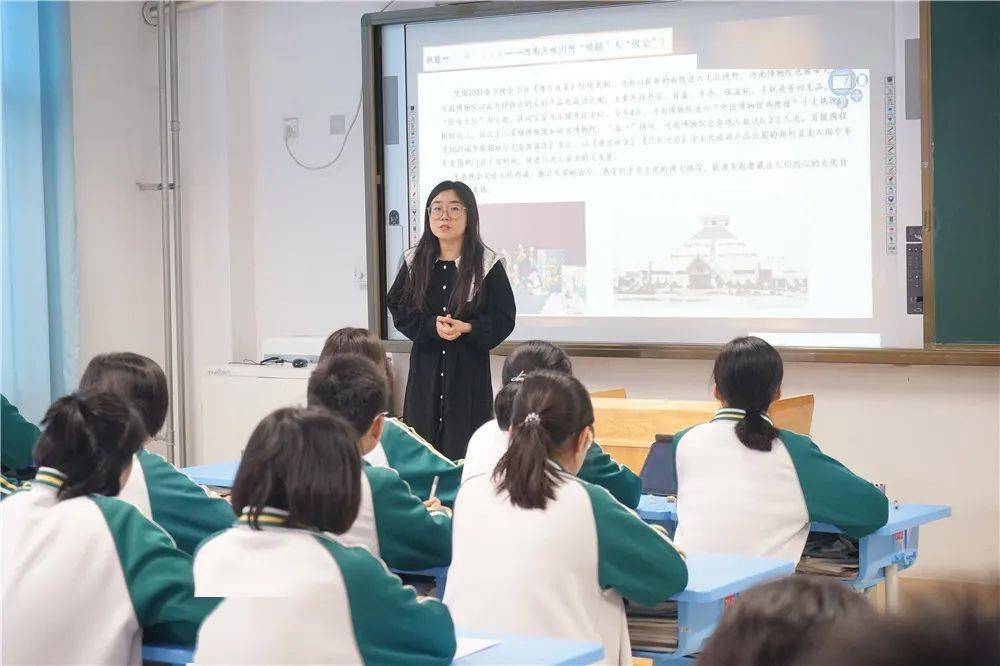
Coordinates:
449 392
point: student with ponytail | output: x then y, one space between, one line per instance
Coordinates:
745 486
86 578
159 490
293 592
489 442
534 520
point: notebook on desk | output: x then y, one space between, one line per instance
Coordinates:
659 474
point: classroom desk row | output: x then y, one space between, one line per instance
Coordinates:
508 650
881 555
715 580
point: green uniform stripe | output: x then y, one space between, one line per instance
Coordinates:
180 506
601 469
833 493
391 626
418 462
158 576
17 437
410 537
635 559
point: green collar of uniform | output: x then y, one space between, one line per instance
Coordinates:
735 414
49 478
269 517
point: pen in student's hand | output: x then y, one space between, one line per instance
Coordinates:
434 487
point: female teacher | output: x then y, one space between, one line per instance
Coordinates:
453 299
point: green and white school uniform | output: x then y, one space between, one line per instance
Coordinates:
17 437
86 580
733 499
395 525
561 571
296 596
417 462
489 443
168 497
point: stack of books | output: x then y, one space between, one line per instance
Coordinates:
829 555
653 628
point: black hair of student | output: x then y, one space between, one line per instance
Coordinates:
748 373
563 409
135 378
351 386
470 268
305 462
526 357
90 436
946 630
350 340
776 622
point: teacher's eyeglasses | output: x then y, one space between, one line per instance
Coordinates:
437 210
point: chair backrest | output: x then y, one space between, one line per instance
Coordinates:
610 393
625 428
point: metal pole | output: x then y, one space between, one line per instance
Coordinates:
168 356
892 588
180 434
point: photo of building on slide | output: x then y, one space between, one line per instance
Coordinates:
544 246
712 267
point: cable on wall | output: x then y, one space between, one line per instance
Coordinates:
347 134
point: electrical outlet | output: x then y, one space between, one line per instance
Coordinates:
338 125
290 128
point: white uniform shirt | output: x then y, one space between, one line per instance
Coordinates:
560 571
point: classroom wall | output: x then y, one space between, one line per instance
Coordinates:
261 234
115 136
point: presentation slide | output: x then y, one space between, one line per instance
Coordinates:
638 190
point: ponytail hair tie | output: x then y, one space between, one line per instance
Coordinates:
533 417
519 378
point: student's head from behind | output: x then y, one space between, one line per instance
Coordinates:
451 215
946 630
350 340
747 375
552 420
305 462
354 388
778 621
526 358
137 379
90 436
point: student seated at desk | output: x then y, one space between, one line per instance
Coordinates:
86 578
538 551
291 593
746 487
409 533
489 442
17 439
399 446
159 490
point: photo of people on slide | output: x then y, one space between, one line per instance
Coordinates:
545 248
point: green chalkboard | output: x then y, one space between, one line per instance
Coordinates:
965 84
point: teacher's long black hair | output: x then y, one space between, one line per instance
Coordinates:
470 268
